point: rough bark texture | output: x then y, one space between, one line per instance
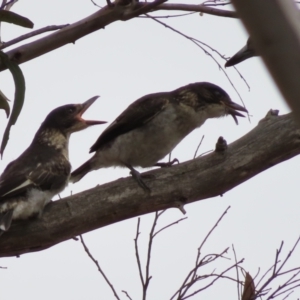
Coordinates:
274 140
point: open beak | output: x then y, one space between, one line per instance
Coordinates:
84 107
232 109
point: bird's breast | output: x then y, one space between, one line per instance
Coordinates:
146 145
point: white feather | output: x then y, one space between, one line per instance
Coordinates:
24 184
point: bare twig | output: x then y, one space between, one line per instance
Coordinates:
192 276
213 281
288 285
237 273
96 4
197 8
98 267
167 226
148 277
169 16
31 34
198 147
208 3
137 251
216 224
276 257
145 280
126 295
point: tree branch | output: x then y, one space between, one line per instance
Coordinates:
198 8
30 35
274 140
96 21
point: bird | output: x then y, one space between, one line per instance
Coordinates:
153 125
29 182
246 52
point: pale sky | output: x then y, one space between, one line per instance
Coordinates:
121 63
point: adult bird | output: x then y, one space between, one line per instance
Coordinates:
153 125
243 54
43 169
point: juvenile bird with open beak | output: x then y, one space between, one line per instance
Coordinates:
153 125
43 169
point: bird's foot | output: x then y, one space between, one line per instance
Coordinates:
168 164
138 178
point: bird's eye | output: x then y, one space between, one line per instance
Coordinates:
217 93
70 110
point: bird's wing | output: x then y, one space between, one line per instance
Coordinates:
136 115
16 181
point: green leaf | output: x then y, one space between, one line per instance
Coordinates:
11 17
4 103
19 97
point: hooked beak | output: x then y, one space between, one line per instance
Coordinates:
232 109
245 53
84 107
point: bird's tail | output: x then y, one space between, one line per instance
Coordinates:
5 220
80 172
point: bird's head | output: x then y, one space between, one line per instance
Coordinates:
245 53
68 118
214 101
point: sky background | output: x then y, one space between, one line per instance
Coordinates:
121 63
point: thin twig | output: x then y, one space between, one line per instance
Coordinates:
126 295
191 278
167 226
169 16
290 289
202 9
31 34
198 147
98 266
237 273
216 224
276 273
96 4
288 295
147 276
213 281
137 251
276 257
289 255
215 4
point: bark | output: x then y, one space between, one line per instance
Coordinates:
274 140
96 21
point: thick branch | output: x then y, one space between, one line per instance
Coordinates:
96 21
274 140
